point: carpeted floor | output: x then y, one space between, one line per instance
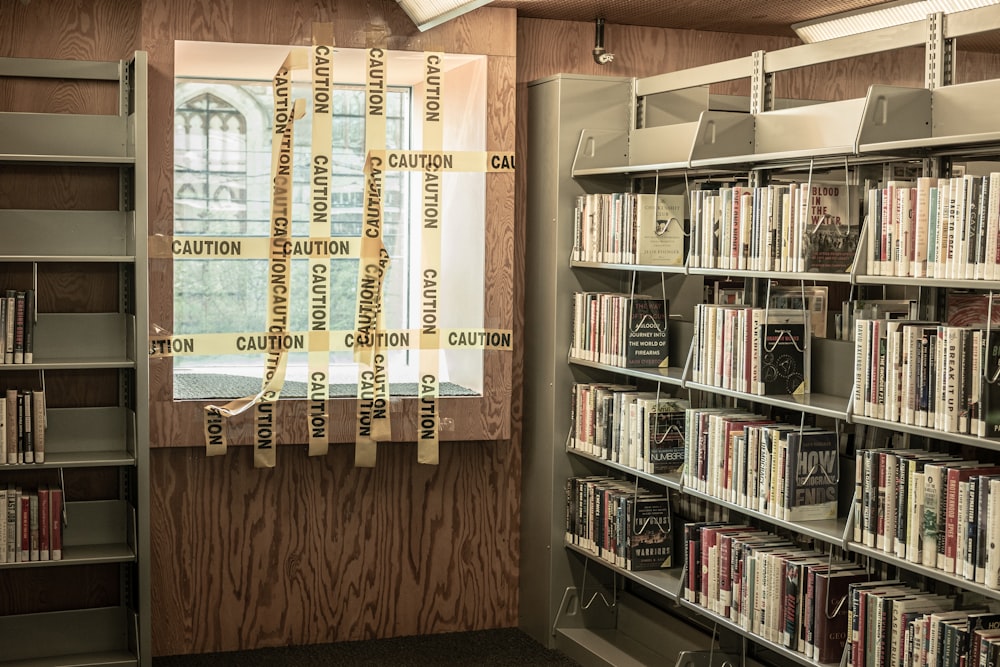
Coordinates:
489 648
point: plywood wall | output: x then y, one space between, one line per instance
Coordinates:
317 550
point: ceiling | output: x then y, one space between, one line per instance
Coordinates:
762 17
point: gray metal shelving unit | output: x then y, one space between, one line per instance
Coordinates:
116 437
597 134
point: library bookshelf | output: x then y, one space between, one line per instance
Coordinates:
668 134
73 147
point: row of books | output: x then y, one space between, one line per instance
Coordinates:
620 329
619 522
787 471
828 608
22 426
32 525
935 227
17 326
640 429
927 227
927 374
770 586
892 624
629 228
761 351
812 227
930 508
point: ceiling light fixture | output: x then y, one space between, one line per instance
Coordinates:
429 13
880 16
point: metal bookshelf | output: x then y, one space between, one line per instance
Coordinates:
587 135
112 437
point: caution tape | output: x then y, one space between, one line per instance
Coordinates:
254 247
214 344
430 260
319 227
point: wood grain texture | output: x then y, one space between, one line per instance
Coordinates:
318 551
69 29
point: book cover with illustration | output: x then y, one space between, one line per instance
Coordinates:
659 231
665 435
833 228
646 341
783 353
651 540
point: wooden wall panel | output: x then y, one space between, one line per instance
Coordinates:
318 551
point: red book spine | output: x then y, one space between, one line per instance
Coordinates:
55 513
44 524
725 582
708 536
24 518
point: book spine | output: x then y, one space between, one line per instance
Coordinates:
11 426
915 495
3 523
30 313
33 528
44 524
932 494
992 537
13 524
56 513
950 524
971 529
11 317
982 529
24 522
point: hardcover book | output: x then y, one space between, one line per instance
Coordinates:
659 233
811 476
783 355
664 434
833 228
651 540
831 612
647 340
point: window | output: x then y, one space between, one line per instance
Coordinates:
222 152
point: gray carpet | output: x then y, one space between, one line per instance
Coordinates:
490 648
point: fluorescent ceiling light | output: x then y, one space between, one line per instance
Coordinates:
429 13
880 16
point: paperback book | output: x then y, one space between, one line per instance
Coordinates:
659 232
647 340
